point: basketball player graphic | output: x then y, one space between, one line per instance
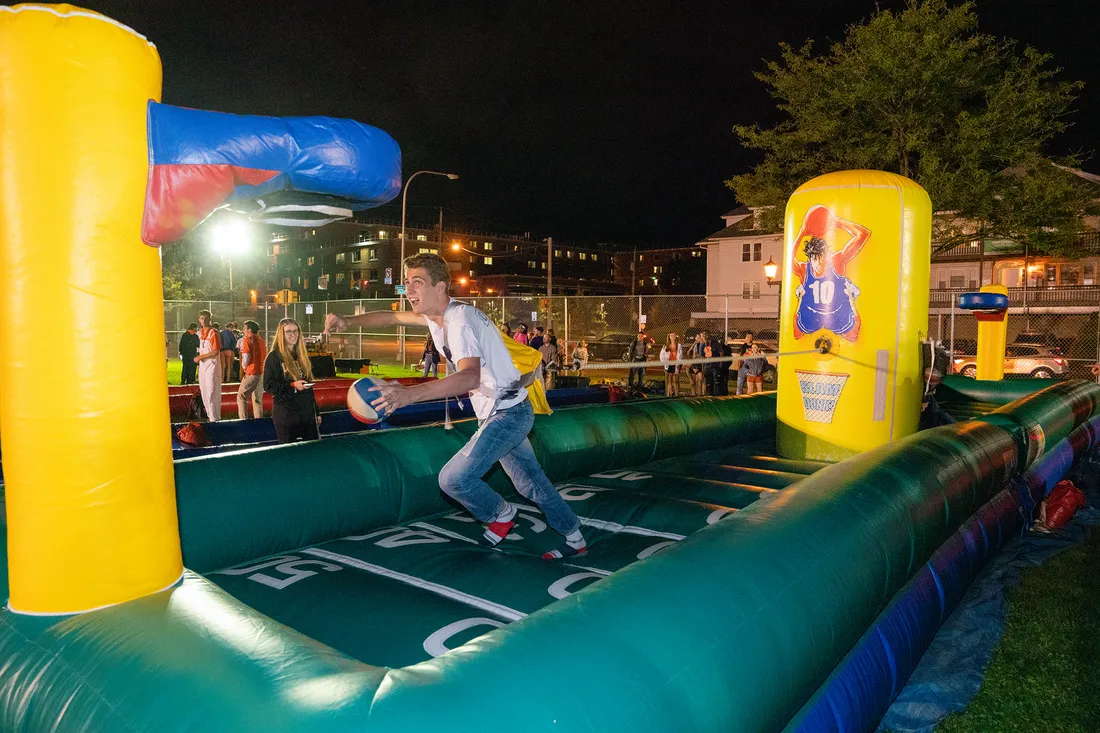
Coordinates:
826 297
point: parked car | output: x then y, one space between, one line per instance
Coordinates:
1032 361
611 347
965 348
1049 340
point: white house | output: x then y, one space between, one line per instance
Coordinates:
736 256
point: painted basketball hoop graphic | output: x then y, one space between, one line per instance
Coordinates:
820 393
826 297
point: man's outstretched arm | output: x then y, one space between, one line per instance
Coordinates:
375 319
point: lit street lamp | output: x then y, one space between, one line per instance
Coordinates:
770 271
227 237
401 264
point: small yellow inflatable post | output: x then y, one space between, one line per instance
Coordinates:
87 453
992 338
855 287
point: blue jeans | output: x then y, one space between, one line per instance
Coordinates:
741 375
503 437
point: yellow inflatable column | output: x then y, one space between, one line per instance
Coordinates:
855 285
87 453
992 337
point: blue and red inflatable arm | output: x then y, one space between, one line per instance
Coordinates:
277 168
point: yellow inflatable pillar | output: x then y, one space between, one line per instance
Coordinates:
855 286
992 336
87 453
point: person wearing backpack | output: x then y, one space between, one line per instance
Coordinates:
478 363
228 343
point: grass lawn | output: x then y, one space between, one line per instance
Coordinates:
1045 675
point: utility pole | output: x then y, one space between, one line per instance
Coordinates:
549 266
633 264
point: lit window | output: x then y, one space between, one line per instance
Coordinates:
746 253
422 237
641 282
544 265
595 257
357 256
584 255
339 277
472 273
383 234
488 260
425 250
641 257
656 270
557 253
340 257
310 263
488 246
568 254
756 252
372 254
532 264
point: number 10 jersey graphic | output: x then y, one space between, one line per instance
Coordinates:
826 296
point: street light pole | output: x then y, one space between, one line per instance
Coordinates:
232 312
549 267
401 264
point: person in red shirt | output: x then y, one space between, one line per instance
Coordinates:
253 354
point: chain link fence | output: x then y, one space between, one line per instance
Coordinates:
1051 333
606 323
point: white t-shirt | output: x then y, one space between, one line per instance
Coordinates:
468 333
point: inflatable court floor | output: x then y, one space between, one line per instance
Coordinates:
401 594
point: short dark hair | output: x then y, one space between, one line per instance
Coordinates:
436 266
192 326
252 326
215 324
539 328
816 247
749 333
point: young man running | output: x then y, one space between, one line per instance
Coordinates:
478 362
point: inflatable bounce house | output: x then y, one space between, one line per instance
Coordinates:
761 563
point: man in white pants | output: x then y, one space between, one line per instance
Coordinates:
478 362
210 368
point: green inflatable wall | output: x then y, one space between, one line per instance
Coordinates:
733 627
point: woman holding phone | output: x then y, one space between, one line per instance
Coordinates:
289 378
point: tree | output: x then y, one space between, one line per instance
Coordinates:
921 93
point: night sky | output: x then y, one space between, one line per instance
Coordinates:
587 121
